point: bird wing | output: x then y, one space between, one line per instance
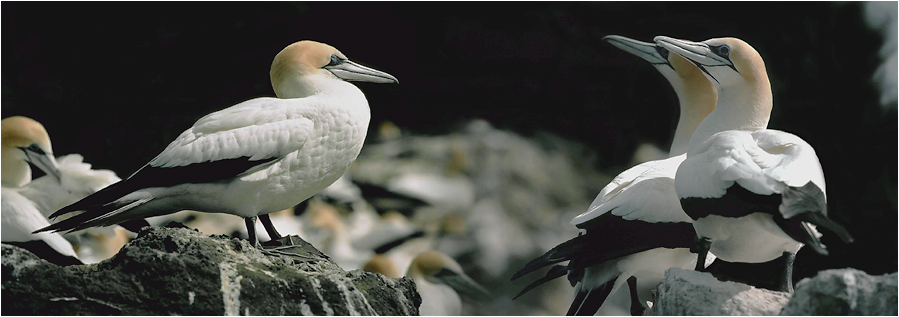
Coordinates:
220 146
776 173
21 217
644 192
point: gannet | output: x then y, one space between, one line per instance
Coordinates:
257 157
635 229
76 181
383 265
779 195
25 140
438 278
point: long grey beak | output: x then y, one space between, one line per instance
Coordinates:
463 284
698 53
650 52
42 159
352 71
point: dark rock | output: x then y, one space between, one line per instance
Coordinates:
844 292
174 271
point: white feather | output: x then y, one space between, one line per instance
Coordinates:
21 217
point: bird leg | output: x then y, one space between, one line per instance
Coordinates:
636 306
273 234
786 283
269 227
701 247
251 231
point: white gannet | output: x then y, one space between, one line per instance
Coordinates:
438 278
25 140
76 181
635 229
755 194
257 157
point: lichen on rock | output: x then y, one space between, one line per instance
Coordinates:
176 271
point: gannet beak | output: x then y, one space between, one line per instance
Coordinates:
698 53
43 160
651 52
463 284
352 71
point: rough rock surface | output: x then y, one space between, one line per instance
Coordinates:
847 292
691 293
174 271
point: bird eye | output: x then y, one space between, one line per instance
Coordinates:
722 50
334 61
35 148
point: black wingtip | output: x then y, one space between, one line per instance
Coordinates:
553 273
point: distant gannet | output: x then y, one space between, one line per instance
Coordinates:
635 229
257 157
25 140
779 195
438 278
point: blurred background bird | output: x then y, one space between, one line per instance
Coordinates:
525 101
68 179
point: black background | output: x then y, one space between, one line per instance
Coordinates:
117 81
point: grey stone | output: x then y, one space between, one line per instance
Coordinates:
844 292
687 292
175 271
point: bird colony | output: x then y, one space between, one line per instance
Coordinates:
732 197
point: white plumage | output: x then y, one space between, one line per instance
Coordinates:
779 195
440 280
24 141
643 195
254 158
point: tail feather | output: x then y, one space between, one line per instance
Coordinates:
553 273
562 252
102 197
588 301
613 238
95 216
802 206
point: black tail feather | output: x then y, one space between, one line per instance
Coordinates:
588 301
553 273
562 252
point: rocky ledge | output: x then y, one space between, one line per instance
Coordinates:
832 292
177 271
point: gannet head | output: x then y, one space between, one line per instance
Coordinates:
380 263
303 68
25 141
438 268
738 73
696 95
726 62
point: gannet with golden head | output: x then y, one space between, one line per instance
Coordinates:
635 229
440 280
756 194
254 158
25 140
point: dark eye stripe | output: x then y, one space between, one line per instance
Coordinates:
335 61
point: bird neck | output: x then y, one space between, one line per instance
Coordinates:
16 172
313 85
696 102
740 107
